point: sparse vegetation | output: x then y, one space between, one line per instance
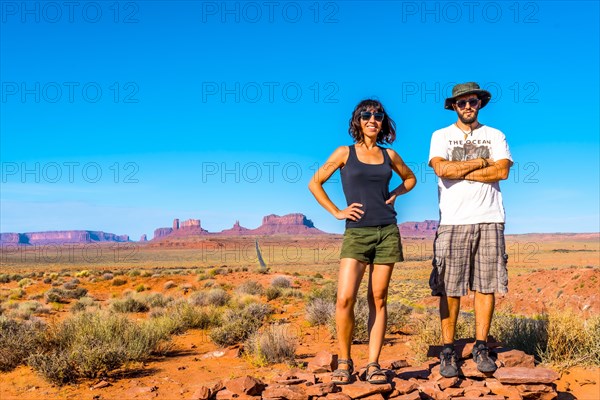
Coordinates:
238 325
250 287
281 282
274 344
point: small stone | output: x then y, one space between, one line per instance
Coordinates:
469 369
401 386
398 364
409 396
515 358
321 389
201 394
323 361
247 385
284 393
101 384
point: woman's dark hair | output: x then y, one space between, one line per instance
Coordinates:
388 126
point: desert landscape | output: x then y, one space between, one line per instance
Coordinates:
247 313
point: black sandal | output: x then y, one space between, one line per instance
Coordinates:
343 373
376 370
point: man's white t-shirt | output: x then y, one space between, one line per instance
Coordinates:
464 202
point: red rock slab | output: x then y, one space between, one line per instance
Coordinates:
401 386
477 391
525 375
247 385
488 397
413 372
508 391
321 389
535 388
323 361
515 358
409 396
468 369
429 389
454 392
376 396
363 389
296 374
337 396
203 393
284 393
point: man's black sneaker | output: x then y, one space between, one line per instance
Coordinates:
481 356
448 367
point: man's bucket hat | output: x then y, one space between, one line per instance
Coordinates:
467 88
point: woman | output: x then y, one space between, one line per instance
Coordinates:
371 238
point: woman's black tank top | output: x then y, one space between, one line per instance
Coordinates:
368 184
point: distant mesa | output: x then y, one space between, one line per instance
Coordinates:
426 228
189 227
290 224
60 237
144 238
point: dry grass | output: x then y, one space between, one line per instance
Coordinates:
274 344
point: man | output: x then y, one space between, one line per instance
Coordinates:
469 251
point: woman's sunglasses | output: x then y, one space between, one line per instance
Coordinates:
366 115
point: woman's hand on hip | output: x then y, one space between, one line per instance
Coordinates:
352 212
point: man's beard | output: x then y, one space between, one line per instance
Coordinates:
469 120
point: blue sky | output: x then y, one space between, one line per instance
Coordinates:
120 116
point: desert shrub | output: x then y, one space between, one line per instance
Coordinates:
275 344
107 276
327 291
47 280
59 295
18 339
134 272
320 311
16 277
238 325
129 304
4 278
244 269
93 344
291 292
202 277
272 293
54 295
398 316
140 288
157 300
318 275
83 303
214 297
281 282
25 282
521 333
145 274
169 285
26 309
181 316
250 287
16 294
572 340
70 285
119 281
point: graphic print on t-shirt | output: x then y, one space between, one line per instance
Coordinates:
464 150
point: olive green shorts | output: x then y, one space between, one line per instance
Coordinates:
373 244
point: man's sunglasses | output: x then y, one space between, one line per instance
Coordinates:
366 115
463 103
